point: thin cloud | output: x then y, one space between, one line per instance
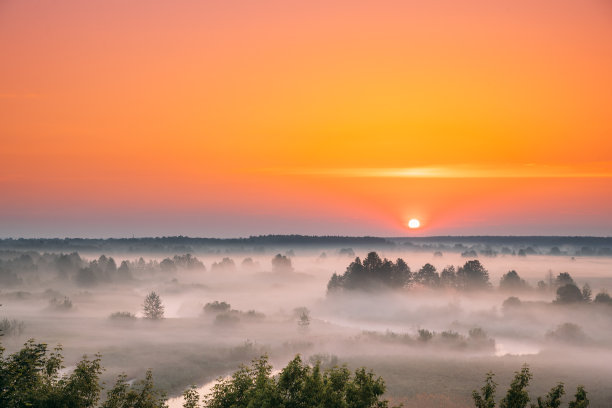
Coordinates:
590 170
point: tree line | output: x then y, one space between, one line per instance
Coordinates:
375 273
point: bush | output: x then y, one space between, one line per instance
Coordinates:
62 305
217 307
568 333
122 316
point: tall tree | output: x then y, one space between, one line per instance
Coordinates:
153 308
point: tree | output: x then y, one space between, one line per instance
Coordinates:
603 297
473 275
373 273
448 277
191 398
486 399
428 276
553 398
580 399
153 308
141 394
563 279
167 265
298 385
400 274
303 318
517 396
217 307
587 293
569 294
281 263
31 377
511 281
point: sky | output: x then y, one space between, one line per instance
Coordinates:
230 118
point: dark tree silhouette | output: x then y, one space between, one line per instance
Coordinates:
472 275
153 308
569 293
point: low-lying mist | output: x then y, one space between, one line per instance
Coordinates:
432 325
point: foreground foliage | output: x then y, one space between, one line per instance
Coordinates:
31 377
518 397
298 385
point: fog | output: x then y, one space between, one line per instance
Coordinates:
433 344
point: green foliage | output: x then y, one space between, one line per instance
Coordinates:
142 394
299 385
486 398
552 399
580 399
191 397
30 377
517 396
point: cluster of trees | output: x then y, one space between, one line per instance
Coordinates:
569 292
281 263
225 315
19 268
518 397
375 273
31 377
86 273
297 385
226 264
477 339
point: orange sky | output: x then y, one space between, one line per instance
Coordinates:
228 118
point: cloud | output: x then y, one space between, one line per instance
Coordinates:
588 170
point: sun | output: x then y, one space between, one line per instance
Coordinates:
414 223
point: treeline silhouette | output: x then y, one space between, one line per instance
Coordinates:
71 267
375 273
185 244
471 246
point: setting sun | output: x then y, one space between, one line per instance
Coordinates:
414 223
